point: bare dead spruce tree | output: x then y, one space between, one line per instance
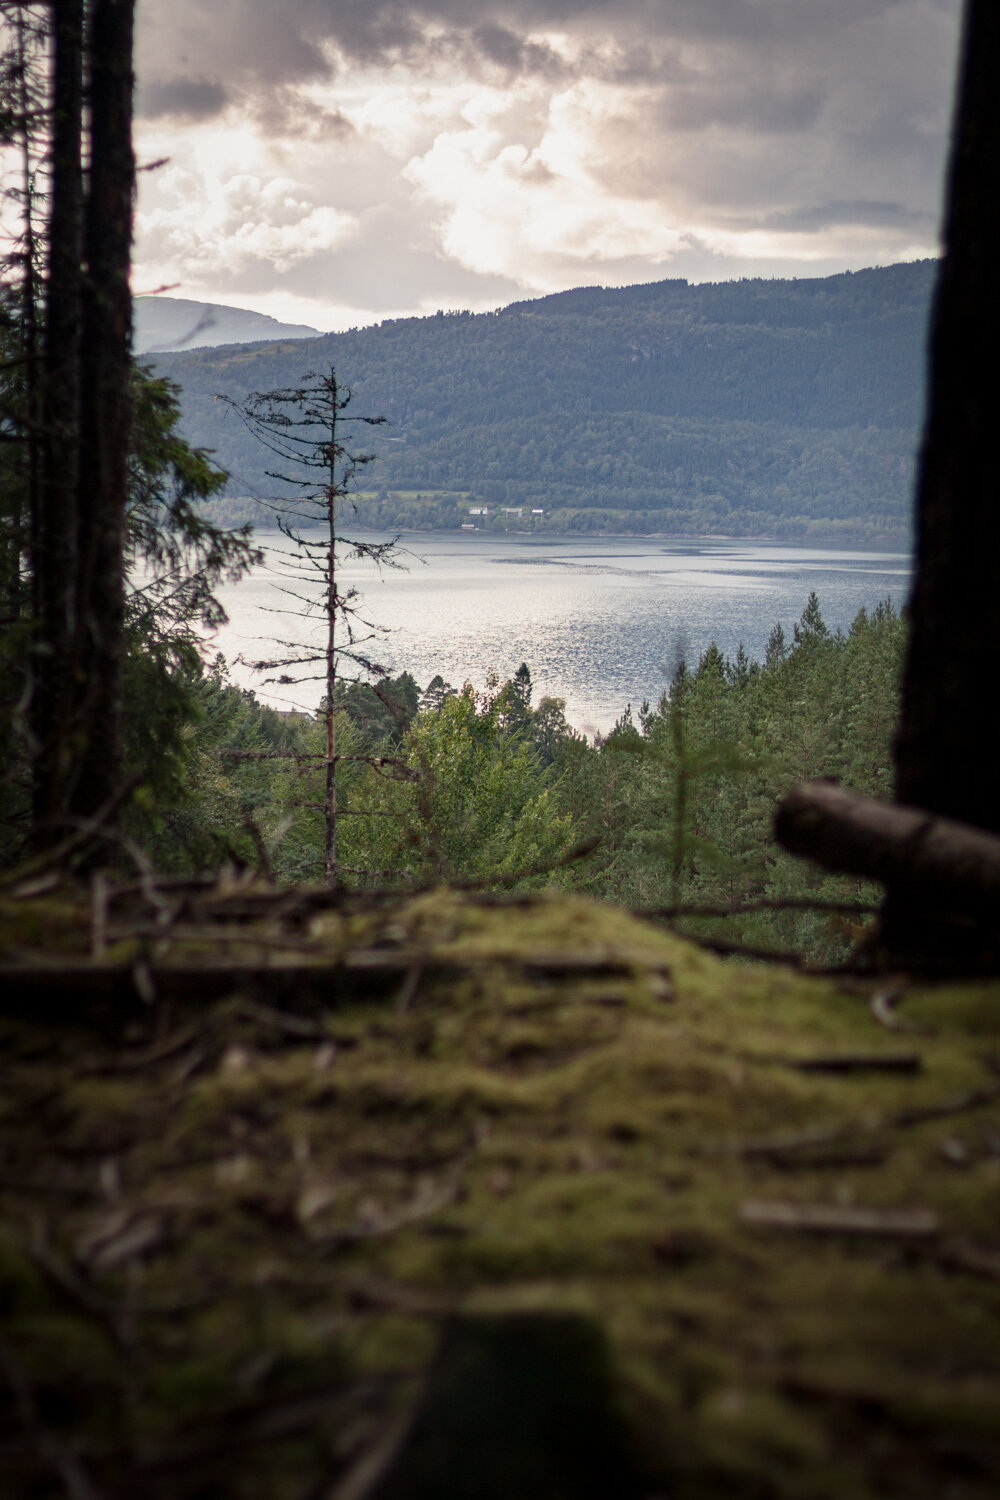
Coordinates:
306 428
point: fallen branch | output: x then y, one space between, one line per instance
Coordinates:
958 1104
835 1157
941 861
753 955
110 1319
55 993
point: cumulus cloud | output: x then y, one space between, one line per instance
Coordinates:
528 144
226 222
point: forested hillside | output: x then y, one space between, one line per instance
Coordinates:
763 408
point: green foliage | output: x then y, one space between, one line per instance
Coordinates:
482 807
454 785
176 560
477 802
442 785
684 800
382 710
178 557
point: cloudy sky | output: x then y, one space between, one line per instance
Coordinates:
335 162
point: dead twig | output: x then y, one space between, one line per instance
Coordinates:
98 915
282 1020
966 1255
826 1158
777 1145
47 1187
959 1104
420 1207
763 903
883 1008
859 1062
211 934
839 1218
767 1146
756 955
407 992
148 1057
109 1319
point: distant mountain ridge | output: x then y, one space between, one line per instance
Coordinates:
744 408
163 323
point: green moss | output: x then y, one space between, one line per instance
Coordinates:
523 1135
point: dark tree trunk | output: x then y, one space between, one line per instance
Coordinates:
55 523
26 509
947 746
106 404
946 750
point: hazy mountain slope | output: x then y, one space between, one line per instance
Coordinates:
163 323
751 407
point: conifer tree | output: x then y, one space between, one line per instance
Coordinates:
93 472
306 428
67 98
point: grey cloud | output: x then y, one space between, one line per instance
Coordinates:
246 45
736 104
820 216
278 113
784 115
185 98
258 44
858 110
498 45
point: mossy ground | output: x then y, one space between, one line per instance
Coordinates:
228 1248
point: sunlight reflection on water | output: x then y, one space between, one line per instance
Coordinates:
598 620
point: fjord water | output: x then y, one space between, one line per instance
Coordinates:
599 620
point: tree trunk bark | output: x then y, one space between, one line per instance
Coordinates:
946 746
26 511
106 400
55 558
